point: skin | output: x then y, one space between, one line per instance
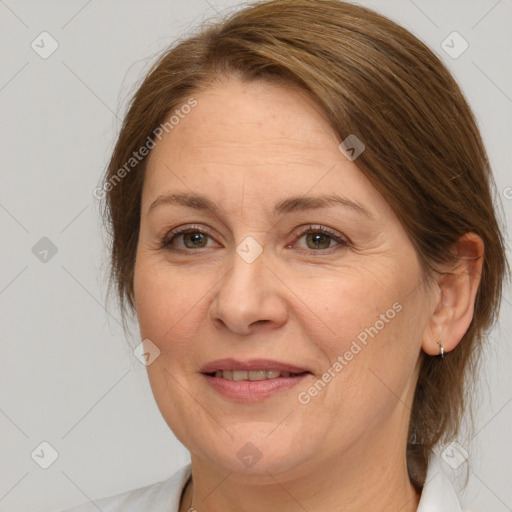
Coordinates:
247 146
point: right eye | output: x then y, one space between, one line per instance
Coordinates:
192 238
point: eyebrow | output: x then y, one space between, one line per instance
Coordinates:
291 204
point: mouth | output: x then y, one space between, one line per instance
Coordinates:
253 369
253 375
253 380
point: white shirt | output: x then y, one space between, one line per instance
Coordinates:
438 495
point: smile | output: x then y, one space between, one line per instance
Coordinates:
240 375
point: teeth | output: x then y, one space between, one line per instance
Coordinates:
250 375
257 375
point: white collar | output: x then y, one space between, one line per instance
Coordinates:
438 494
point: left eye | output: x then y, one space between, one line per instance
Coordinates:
320 238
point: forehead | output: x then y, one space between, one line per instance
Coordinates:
263 119
266 139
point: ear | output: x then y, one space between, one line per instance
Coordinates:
455 300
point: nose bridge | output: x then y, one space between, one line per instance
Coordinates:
246 294
249 250
245 283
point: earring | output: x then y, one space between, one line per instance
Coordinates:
441 350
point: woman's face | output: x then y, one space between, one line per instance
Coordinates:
257 279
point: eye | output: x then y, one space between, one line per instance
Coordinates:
317 239
192 238
320 238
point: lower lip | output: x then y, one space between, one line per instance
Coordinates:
253 390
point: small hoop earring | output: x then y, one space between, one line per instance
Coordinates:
441 349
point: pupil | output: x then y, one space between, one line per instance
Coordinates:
195 237
317 240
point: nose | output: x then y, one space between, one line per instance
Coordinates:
248 295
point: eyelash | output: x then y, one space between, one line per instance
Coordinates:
168 239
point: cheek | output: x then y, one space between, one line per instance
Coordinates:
345 303
167 303
372 317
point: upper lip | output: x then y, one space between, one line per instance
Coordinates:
251 365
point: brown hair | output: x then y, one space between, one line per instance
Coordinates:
424 154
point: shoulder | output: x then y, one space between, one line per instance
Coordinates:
158 497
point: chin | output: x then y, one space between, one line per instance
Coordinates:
255 452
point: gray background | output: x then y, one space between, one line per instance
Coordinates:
67 373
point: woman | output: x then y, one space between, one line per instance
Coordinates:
302 220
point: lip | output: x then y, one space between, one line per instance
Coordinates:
251 364
252 391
